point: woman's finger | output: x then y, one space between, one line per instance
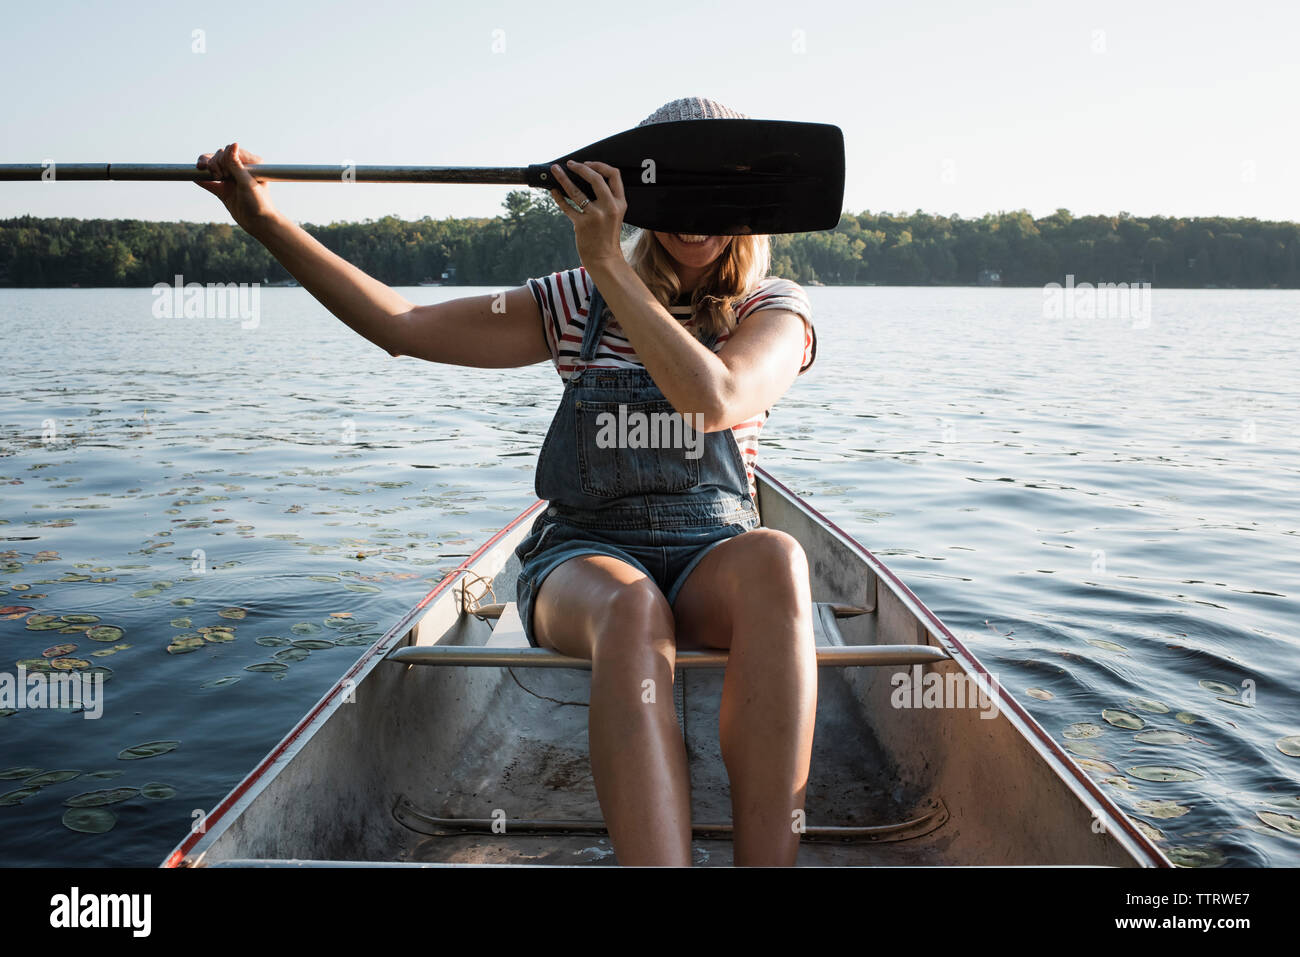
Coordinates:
241 175
598 184
570 187
612 176
562 201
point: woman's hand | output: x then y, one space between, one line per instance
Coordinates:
247 199
597 223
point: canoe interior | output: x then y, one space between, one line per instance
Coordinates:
510 744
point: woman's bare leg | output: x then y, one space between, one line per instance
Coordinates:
751 594
600 608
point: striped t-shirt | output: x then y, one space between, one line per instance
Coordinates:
562 298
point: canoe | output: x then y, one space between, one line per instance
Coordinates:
452 742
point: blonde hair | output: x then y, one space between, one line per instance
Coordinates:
738 270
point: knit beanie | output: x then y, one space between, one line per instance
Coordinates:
691 108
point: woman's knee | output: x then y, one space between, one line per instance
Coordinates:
773 564
632 621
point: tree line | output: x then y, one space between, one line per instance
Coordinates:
531 237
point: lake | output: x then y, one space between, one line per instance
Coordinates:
1103 505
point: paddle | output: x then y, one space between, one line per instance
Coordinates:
713 177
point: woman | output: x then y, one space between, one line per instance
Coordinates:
643 550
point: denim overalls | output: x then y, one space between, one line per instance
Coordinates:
658 509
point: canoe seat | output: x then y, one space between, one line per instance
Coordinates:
508 647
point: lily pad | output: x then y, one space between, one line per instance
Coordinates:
147 750
69 664
1106 645
146 593
35 664
51 777
89 820
323 578
105 633
1152 833
292 654
1183 856
183 602
1122 719
157 792
1218 687
11 774
182 623
58 651
74 629
1147 704
350 641
1290 745
235 614
101 798
1156 736
1161 809
305 628
52 625
184 644
1186 717
219 636
1121 782
1085 749
313 644
1282 822
271 666
1101 767
105 674
1081 729
10 798
1156 772
81 619
106 775
220 682
272 641
11 612
367 589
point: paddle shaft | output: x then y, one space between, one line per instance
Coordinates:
286 173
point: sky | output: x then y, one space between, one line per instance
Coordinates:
1155 108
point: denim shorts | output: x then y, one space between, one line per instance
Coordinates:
667 556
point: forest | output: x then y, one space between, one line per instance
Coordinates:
531 237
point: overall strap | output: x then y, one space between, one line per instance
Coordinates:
596 315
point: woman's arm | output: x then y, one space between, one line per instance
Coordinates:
743 379
755 367
491 331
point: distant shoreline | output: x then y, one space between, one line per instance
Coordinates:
532 238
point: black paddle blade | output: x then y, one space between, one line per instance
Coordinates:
721 177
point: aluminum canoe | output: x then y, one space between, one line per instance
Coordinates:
451 742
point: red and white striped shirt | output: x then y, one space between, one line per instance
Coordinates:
562 298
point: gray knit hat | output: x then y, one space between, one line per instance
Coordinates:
692 108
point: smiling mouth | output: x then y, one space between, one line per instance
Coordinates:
688 239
